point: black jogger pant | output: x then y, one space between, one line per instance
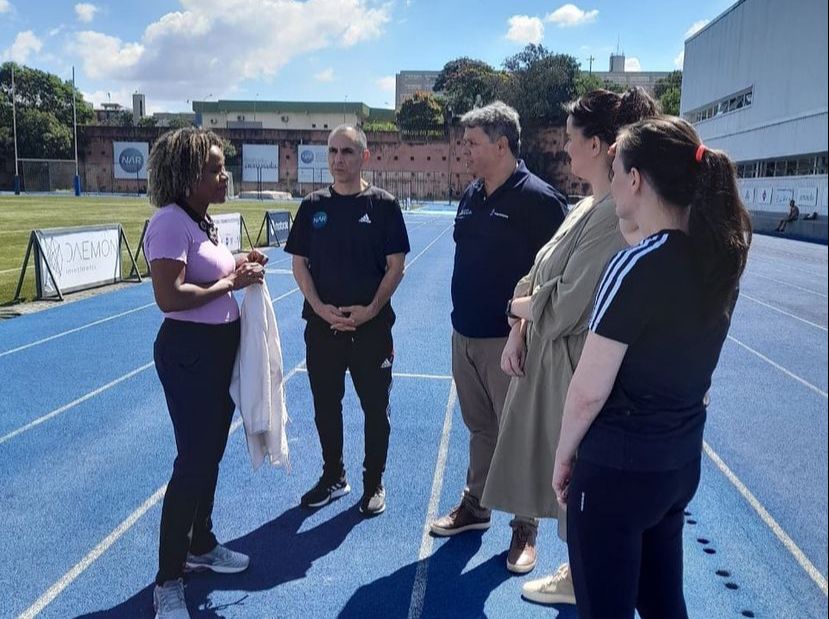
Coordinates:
624 536
368 354
195 364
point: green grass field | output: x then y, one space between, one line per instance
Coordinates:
19 215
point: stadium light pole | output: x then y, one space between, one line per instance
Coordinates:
14 125
75 129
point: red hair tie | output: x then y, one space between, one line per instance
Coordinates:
700 152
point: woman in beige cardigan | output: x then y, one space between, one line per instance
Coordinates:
549 311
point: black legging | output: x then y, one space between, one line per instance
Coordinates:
195 364
624 535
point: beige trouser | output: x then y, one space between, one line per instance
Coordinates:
482 389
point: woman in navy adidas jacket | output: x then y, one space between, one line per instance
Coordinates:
634 412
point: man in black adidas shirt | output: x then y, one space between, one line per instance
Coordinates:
348 244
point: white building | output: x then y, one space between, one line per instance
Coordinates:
755 85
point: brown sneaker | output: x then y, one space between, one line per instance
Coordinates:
522 556
460 519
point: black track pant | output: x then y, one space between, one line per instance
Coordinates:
368 354
624 535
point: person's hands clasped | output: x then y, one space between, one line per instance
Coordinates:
514 353
334 317
257 257
246 274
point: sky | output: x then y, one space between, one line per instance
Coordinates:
178 51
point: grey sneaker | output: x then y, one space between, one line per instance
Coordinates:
373 502
168 600
221 559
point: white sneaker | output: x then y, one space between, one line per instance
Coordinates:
168 600
221 560
554 589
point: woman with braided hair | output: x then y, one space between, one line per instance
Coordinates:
194 276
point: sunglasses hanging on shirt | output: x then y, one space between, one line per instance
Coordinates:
205 223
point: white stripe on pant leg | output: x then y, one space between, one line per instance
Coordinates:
419 586
80 567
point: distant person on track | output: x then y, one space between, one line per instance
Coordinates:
794 213
628 459
349 244
504 217
553 302
194 276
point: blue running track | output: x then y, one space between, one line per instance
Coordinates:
86 448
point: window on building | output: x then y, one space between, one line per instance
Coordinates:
805 165
395 157
820 164
791 167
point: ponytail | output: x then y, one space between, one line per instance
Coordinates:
720 229
669 153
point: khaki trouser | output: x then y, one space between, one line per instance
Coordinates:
482 389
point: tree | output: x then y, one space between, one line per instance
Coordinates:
179 122
43 103
672 80
540 82
466 82
229 150
421 112
147 121
670 101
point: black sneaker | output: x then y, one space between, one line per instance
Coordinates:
373 501
325 491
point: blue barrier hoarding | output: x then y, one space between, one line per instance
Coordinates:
279 225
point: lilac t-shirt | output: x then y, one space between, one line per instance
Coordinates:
172 234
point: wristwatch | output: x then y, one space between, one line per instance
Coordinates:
509 311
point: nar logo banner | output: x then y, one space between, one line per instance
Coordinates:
313 164
130 160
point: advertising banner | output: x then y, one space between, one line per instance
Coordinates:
130 160
260 163
78 258
782 197
313 164
762 195
279 225
230 230
806 196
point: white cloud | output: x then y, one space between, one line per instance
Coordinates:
525 29
386 83
570 15
326 75
56 31
5 6
213 45
24 44
696 27
632 64
679 60
85 11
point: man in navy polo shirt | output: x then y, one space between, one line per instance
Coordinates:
503 219
349 244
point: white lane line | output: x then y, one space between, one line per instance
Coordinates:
802 381
76 329
425 249
282 296
9 270
64 581
791 285
780 534
419 586
90 558
784 312
279 271
92 394
66 407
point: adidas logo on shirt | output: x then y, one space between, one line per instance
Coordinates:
364 219
385 365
